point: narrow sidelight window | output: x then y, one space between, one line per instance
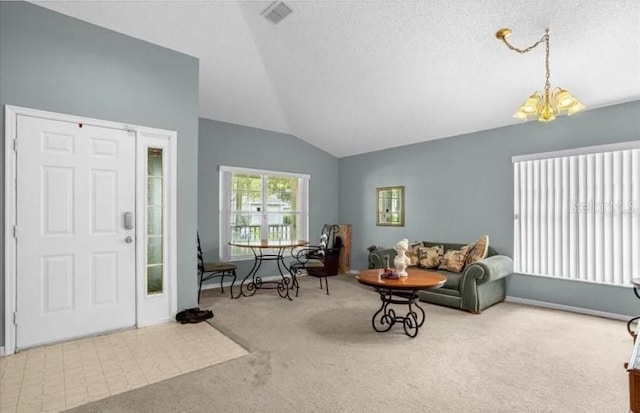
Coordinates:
155 228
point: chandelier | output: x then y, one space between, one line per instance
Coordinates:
547 104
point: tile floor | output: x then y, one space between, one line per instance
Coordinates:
61 376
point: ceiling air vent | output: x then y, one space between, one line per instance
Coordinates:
276 12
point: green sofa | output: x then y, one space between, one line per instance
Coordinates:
477 287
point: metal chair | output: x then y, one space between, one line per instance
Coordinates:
209 270
320 261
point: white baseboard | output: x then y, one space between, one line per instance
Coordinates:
215 285
354 272
569 308
2 353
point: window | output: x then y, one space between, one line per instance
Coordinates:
258 205
155 230
577 214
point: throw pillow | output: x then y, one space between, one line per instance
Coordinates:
478 250
430 257
454 260
412 253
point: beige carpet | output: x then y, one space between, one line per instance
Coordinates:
319 354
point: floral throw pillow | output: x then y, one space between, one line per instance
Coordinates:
478 250
430 257
412 253
454 260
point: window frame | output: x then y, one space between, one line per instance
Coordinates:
225 213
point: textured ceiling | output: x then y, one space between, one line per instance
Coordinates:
353 77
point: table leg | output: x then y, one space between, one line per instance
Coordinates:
248 288
629 329
283 286
386 317
253 282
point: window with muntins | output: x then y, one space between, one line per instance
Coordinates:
260 205
577 214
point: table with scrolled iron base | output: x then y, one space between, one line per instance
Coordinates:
253 282
402 291
386 316
636 288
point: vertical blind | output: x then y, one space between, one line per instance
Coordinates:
577 216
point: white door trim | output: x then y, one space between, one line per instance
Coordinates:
10 180
149 307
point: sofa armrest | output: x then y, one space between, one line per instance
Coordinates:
490 269
376 257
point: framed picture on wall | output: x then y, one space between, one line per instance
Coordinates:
390 206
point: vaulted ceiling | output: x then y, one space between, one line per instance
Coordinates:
355 76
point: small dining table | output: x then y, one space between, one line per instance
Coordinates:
267 250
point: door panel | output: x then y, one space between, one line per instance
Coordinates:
75 272
104 282
57 283
104 197
57 196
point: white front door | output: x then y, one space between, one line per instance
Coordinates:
75 260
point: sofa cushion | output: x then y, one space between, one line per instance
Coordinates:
430 257
449 246
453 280
452 291
478 250
454 260
412 253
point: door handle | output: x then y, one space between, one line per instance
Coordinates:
128 220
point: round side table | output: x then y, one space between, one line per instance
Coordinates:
636 291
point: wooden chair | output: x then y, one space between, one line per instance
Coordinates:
209 270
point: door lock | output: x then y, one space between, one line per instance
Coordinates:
128 220
129 239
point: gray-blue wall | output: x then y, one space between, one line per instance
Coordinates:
462 187
53 62
234 145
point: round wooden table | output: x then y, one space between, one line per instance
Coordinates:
403 291
260 249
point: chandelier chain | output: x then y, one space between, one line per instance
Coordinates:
547 85
528 49
544 39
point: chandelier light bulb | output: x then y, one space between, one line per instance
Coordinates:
575 108
520 115
530 106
